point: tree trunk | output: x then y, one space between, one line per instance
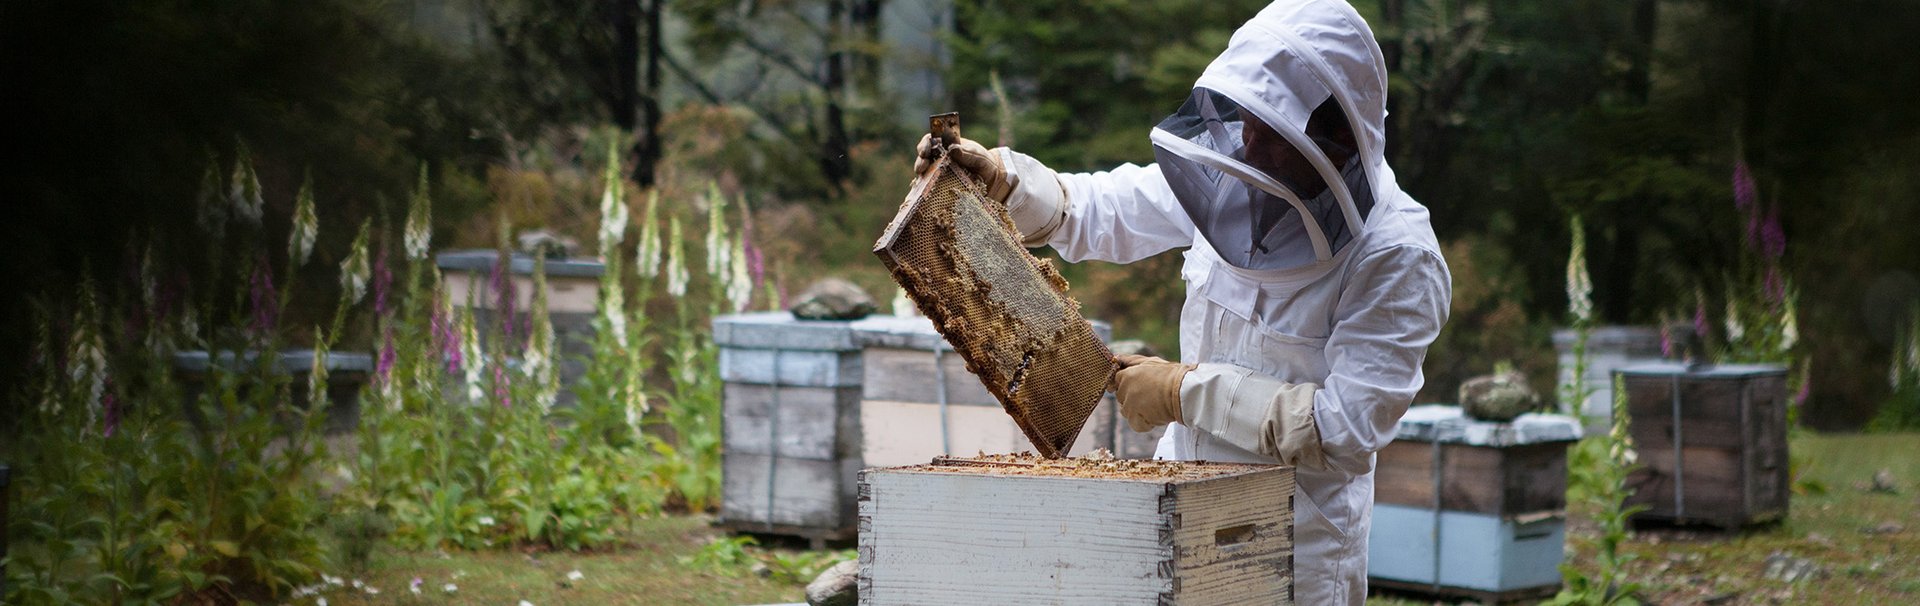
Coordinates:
1640 73
867 59
648 146
835 164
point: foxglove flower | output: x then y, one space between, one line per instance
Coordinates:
1773 238
646 262
317 374
614 311
243 189
1789 327
354 270
210 206
444 333
717 241
306 225
86 355
613 205
1745 190
676 269
1579 283
1735 330
419 235
538 360
470 349
740 280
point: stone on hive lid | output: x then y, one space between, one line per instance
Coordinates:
834 299
1498 397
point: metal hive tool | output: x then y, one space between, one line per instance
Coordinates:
1007 313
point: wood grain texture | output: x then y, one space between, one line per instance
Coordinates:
1728 466
793 368
909 375
977 538
1506 481
908 433
806 492
813 422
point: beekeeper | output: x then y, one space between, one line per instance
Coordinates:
1314 285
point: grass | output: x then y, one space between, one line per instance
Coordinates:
1833 529
654 568
1678 567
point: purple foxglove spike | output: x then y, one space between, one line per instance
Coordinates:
383 368
1745 190
501 384
1666 340
1773 237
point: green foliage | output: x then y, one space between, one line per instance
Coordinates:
725 555
1901 410
1597 470
124 499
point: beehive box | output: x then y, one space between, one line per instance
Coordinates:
1609 348
1472 509
808 403
573 299
1022 530
1712 443
347 373
959 258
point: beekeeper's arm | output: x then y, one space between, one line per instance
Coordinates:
1121 216
1390 311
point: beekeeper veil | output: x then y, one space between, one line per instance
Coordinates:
1263 155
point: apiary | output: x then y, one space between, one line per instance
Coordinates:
1023 529
806 404
1712 443
958 256
1471 508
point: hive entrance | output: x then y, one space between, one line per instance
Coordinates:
1006 312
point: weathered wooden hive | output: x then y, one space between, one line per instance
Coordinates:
1026 530
808 403
1006 312
1470 508
1712 443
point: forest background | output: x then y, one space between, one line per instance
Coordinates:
1721 153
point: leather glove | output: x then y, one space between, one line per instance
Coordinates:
1149 391
984 164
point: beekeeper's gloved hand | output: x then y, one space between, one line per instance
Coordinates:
1255 412
1031 192
1149 391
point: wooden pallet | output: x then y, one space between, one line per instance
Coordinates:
1511 596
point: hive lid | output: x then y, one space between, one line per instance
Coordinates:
959 258
1718 371
1447 424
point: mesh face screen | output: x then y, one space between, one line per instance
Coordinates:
1006 312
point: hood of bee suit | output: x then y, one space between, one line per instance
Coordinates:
1278 154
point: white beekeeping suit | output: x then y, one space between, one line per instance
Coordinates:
1314 285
